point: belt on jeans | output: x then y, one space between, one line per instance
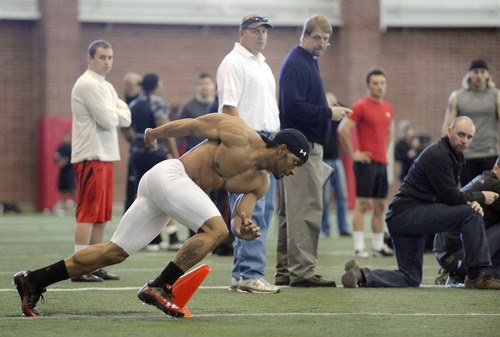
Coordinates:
266 133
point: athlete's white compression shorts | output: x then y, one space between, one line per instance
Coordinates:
164 192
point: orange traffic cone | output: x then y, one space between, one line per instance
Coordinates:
184 288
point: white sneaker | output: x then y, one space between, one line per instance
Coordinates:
152 248
385 251
361 254
257 285
234 284
175 246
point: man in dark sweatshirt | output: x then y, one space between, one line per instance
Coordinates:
429 201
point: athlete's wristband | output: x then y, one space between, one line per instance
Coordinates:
146 138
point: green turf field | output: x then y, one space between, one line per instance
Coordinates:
30 241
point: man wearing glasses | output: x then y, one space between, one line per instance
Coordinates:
247 89
303 105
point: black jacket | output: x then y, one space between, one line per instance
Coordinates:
487 181
433 178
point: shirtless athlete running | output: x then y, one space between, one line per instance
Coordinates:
233 157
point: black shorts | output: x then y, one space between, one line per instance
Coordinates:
371 180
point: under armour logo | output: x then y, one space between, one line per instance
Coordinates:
303 152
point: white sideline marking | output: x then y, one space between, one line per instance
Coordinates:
108 289
261 314
137 288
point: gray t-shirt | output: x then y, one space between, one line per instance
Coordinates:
192 109
481 107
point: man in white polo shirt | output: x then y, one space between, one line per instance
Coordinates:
247 88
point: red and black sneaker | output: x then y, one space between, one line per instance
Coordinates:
160 298
28 292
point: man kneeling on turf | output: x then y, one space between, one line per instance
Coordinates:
428 202
233 157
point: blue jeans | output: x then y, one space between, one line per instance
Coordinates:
456 265
408 231
250 256
337 181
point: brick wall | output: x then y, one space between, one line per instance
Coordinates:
19 111
40 62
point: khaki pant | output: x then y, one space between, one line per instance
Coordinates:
299 219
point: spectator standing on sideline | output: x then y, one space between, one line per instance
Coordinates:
407 148
332 157
372 118
132 85
448 246
133 88
67 180
303 106
197 106
480 100
429 201
148 111
247 89
234 156
97 113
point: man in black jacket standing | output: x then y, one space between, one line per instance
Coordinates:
429 201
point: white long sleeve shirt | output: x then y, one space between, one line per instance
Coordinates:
97 112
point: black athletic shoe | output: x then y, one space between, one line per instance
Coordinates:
29 294
315 281
105 275
87 278
160 298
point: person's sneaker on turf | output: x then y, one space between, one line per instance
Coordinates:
154 247
175 246
105 275
257 285
483 281
361 254
28 292
87 278
352 274
160 298
282 282
385 251
443 278
315 281
233 286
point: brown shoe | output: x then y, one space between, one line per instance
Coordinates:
87 278
483 281
352 274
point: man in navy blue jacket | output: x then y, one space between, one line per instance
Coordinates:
303 106
429 201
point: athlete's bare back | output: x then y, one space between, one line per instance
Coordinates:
231 158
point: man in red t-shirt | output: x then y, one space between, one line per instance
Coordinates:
372 117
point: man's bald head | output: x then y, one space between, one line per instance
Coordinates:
461 132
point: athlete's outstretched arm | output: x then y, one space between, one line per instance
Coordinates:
210 126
